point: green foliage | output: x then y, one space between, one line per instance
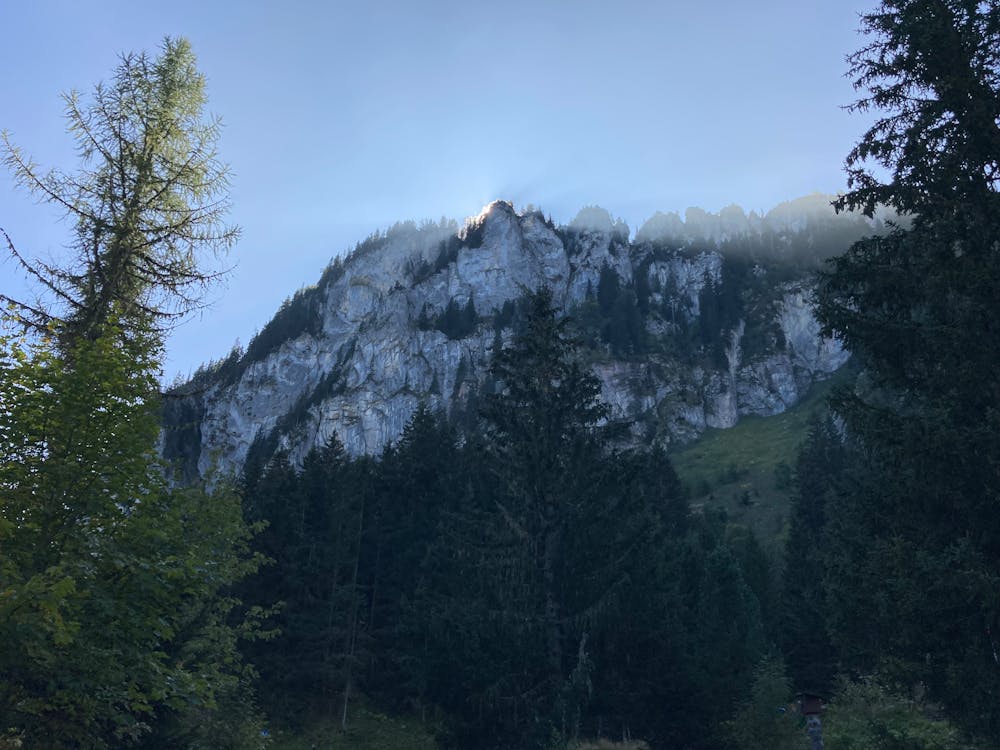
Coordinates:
731 638
759 573
347 538
458 322
930 70
621 324
297 315
914 540
316 523
549 400
447 253
782 475
754 448
543 477
614 318
116 618
504 318
370 729
473 238
625 329
607 290
148 201
756 271
617 317
559 537
867 715
763 721
821 472
569 239
720 309
529 587
490 584
111 585
746 294
420 270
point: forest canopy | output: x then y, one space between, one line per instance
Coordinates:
530 581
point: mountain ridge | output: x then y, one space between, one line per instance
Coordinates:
689 324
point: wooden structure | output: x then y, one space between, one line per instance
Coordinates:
810 704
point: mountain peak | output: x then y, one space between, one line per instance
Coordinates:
493 209
593 219
412 317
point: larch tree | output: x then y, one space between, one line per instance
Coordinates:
116 627
148 202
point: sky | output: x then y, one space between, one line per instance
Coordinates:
342 117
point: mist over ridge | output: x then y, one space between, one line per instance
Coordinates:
687 323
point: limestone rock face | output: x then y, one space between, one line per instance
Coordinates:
412 316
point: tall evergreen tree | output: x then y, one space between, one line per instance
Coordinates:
266 494
115 616
318 527
511 593
544 448
418 484
819 477
918 306
566 591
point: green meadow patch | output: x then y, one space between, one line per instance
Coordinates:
745 473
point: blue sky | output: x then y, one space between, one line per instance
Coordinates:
344 117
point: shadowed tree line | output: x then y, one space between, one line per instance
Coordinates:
528 584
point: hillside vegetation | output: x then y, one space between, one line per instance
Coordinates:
746 472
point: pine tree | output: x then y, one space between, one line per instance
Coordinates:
762 723
318 538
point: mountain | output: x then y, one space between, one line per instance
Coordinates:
689 324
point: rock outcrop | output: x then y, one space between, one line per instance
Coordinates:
691 324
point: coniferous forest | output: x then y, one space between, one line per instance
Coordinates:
523 577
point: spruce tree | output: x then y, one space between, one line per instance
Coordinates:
819 477
920 532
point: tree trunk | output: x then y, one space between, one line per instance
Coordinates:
553 635
352 637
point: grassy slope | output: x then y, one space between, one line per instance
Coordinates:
368 730
745 471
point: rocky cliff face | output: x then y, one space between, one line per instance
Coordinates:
690 325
